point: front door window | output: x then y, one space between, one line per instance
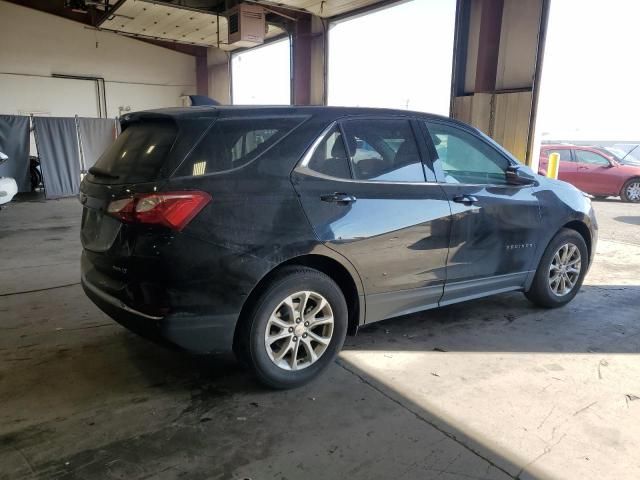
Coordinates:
591 158
465 158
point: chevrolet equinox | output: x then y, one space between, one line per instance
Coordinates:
276 231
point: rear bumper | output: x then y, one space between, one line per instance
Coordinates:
193 333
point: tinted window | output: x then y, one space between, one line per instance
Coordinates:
138 153
565 154
233 143
465 158
585 156
364 150
330 156
383 150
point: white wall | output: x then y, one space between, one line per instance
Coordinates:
34 45
62 97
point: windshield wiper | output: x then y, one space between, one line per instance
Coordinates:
628 153
101 173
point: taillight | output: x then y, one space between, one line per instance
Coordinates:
170 209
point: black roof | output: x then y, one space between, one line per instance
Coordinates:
249 110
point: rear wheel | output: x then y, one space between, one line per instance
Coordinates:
631 191
561 270
296 329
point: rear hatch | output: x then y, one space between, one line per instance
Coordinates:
119 255
132 164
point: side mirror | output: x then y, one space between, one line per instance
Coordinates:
3 158
516 175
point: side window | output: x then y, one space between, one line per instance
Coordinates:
330 156
234 143
383 150
465 158
248 142
364 150
592 158
565 154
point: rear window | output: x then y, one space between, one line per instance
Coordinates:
565 154
233 143
138 153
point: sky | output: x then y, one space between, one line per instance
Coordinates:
591 71
261 76
396 57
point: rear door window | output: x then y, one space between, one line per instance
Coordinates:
565 154
383 150
330 156
138 153
233 143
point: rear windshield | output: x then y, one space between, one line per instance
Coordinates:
138 153
233 143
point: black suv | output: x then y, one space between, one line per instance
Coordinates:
275 231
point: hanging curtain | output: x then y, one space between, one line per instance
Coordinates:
14 143
57 142
96 135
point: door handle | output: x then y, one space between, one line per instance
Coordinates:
339 198
465 199
583 168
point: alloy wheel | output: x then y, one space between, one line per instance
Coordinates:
633 191
564 270
299 330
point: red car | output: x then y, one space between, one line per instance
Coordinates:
594 171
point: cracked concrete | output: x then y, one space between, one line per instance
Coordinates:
488 389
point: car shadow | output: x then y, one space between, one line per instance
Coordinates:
632 220
606 200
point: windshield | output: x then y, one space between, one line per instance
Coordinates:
623 156
616 152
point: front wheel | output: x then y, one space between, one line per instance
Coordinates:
561 270
296 328
631 191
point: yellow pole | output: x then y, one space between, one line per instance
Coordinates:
553 165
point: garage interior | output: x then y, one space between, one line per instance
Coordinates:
489 389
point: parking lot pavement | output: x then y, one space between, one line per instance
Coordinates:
493 388
618 221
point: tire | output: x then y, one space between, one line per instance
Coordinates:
36 179
631 190
297 285
548 293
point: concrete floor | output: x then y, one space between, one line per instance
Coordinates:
489 389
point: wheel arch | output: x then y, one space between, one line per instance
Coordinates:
578 226
583 230
339 273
